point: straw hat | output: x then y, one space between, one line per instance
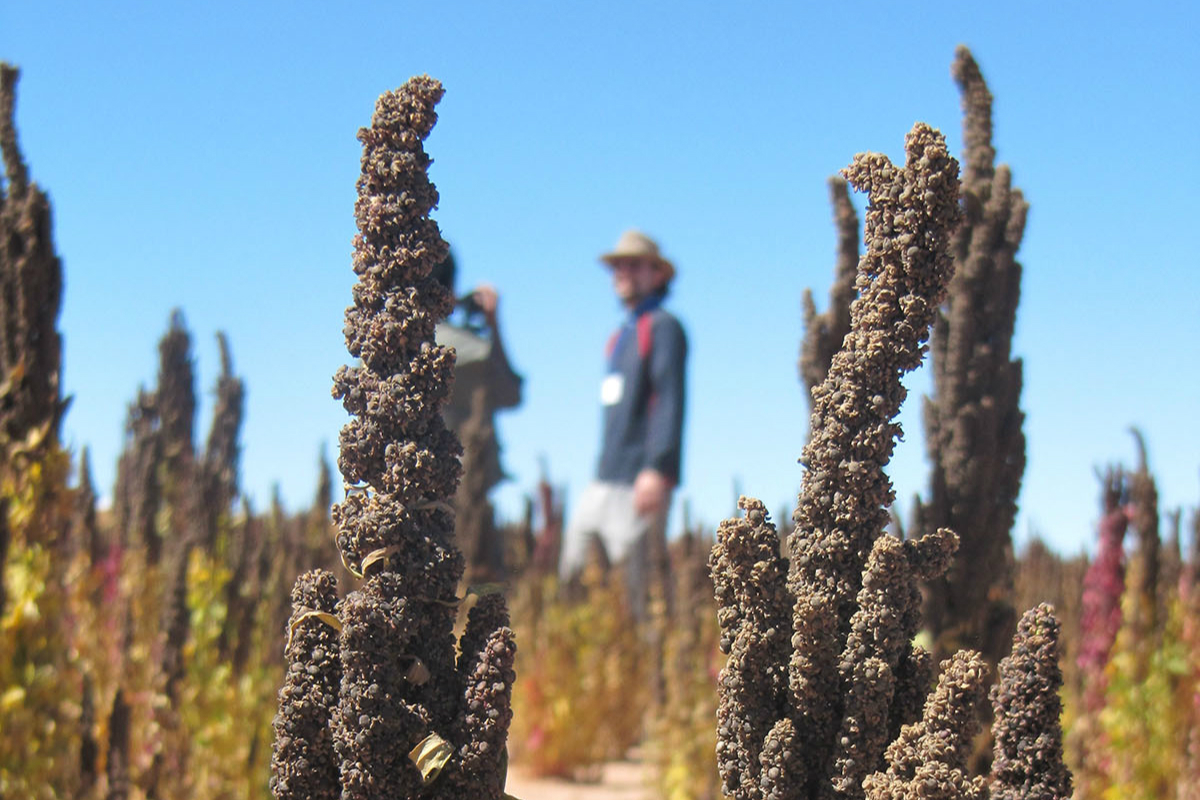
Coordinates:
635 244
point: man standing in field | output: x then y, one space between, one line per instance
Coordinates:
642 395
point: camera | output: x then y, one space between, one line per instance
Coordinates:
469 304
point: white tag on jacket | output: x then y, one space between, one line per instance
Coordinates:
611 389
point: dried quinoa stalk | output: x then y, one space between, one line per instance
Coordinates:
1028 763
1144 565
881 630
805 707
85 529
117 766
902 280
30 300
400 461
412 717
138 489
5 543
89 748
303 763
221 452
754 611
176 624
929 760
824 332
175 395
973 421
485 664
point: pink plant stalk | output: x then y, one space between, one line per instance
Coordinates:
1100 620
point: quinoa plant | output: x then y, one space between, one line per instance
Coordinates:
817 643
304 765
41 691
973 420
1103 586
30 300
682 740
585 672
86 530
219 468
1028 763
822 671
138 489
1043 576
1140 749
1143 575
412 718
824 332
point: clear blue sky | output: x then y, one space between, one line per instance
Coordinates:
204 156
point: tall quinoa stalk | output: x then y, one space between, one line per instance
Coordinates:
818 646
219 469
39 680
85 528
824 332
1144 566
1103 586
139 487
5 539
412 719
973 421
30 300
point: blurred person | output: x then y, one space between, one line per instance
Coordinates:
642 396
473 330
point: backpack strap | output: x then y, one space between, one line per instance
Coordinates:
645 335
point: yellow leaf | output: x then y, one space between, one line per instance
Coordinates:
377 555
323 616
13 698
430 755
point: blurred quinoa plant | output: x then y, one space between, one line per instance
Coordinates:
822 673
411 718
1143 721
974 421
41 691
824 332
585 674
31 406
682 741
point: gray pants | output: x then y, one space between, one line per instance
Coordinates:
606 509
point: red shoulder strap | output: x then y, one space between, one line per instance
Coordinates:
645 335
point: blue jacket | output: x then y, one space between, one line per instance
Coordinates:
643 397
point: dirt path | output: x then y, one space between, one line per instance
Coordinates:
622 780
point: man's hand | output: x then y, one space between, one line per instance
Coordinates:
651 492
488 300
